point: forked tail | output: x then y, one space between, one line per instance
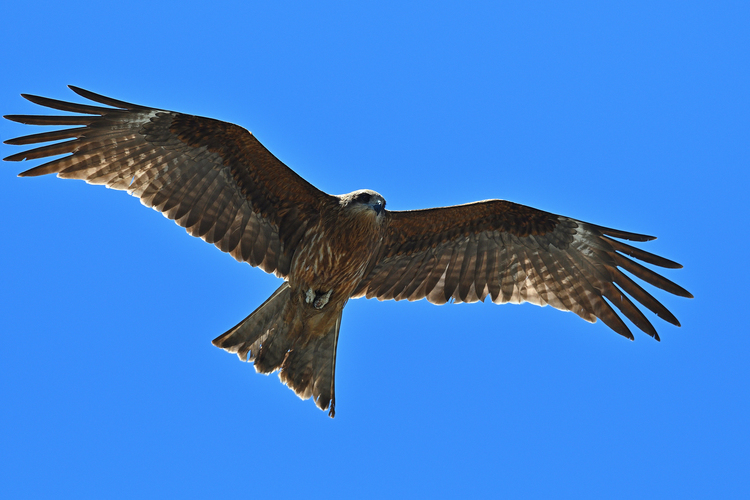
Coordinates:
278 336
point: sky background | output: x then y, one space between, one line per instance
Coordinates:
634 116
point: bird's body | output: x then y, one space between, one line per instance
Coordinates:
216 180
345 239
304 315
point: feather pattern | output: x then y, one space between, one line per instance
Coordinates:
516 254
212 178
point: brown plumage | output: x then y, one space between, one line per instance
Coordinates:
216 180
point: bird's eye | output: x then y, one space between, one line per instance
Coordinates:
364 198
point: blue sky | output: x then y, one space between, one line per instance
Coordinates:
632 116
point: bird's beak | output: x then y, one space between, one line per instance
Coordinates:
378 207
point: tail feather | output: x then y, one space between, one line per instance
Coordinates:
311 370
277 337
246 338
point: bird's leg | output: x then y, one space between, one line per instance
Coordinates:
318 299
321 299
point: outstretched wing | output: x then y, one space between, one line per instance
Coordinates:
211 177
514 253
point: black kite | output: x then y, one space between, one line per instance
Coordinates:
216 180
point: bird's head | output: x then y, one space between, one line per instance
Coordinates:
363 200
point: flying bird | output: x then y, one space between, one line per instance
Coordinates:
221 184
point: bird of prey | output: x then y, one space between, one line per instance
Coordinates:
218 182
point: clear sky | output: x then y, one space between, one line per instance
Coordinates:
632 116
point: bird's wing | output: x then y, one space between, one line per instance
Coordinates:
514 253
211 177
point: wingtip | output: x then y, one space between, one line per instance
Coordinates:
15 157
36 171
14 118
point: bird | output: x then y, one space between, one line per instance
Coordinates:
222 185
